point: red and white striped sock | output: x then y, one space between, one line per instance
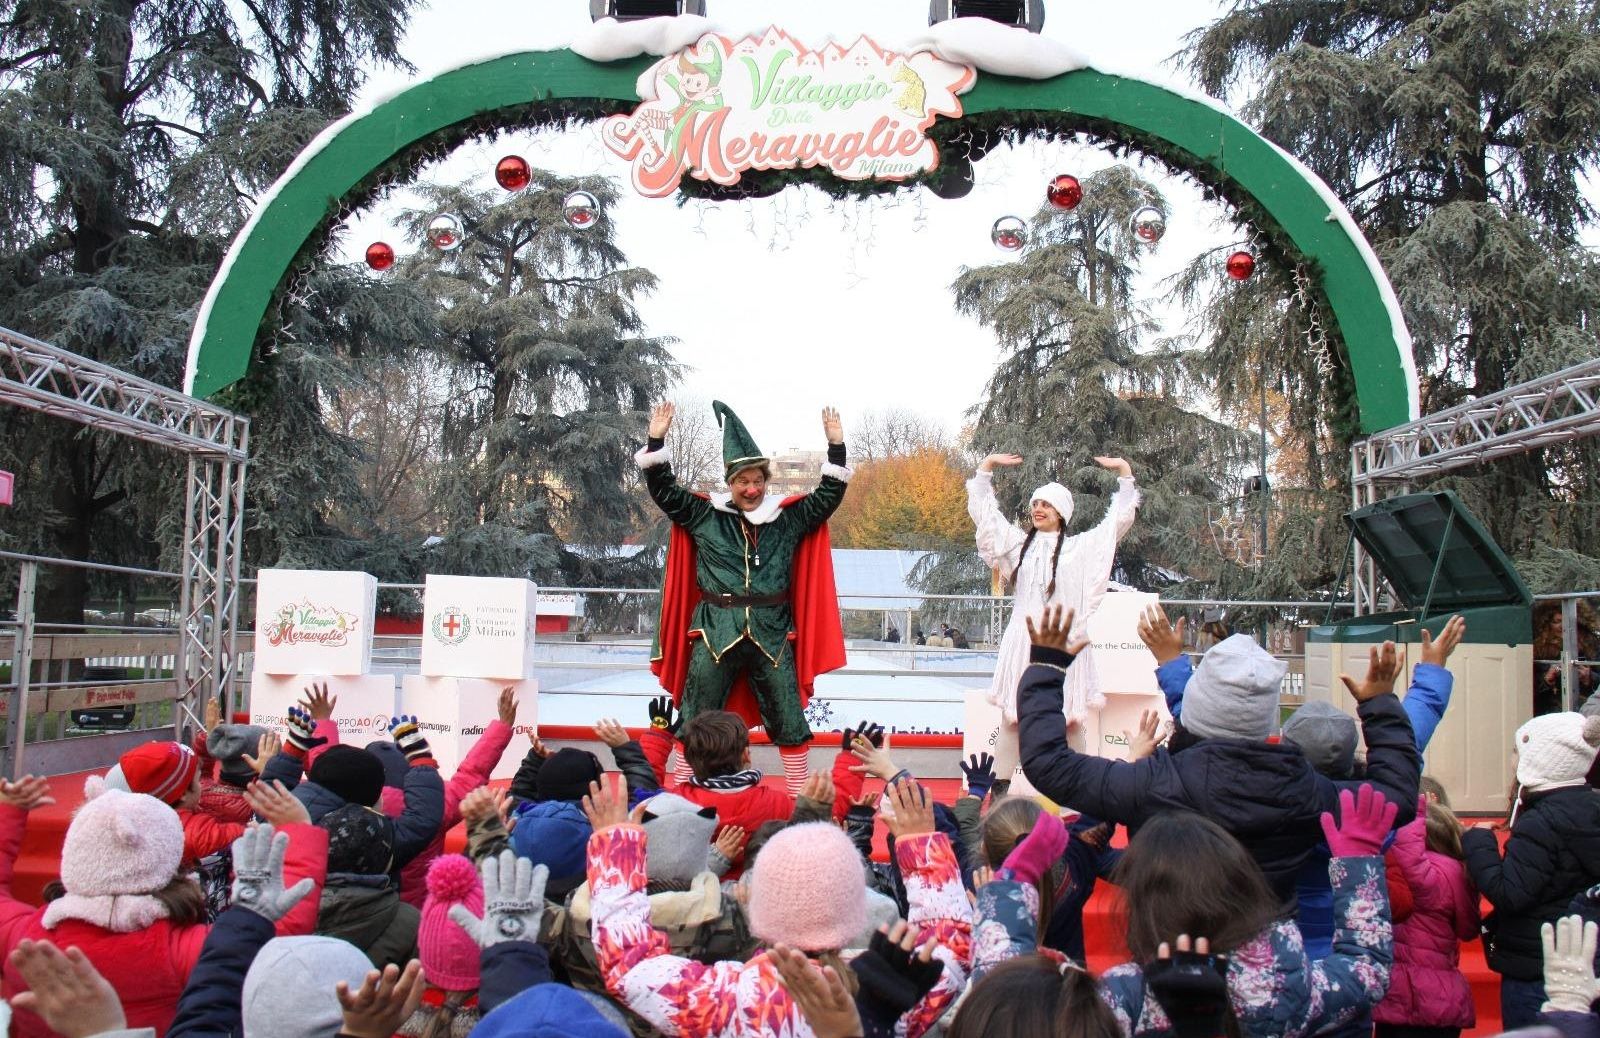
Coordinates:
679 768
796 765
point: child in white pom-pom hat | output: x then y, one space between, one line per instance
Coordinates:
1553 855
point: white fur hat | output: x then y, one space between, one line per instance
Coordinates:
1056 496
1556 750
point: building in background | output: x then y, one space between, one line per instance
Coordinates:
796 471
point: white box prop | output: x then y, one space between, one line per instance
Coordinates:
453 713
366 702
1119 718
980 732
312 621
1123 666
1122 663
478 627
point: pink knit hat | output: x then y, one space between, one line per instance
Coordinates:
449 956
810 889
119 846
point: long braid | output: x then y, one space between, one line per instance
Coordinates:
1022 554
1055 561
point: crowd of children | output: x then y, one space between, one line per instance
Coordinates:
1272 883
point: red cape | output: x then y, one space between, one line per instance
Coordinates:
818 644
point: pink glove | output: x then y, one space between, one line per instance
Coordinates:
1038 851
1365 820
1418 826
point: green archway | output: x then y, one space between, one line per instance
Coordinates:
1291 205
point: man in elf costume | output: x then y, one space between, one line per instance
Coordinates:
749 615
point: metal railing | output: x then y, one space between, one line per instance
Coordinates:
53 675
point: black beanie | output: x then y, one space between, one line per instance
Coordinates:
349 773
566 774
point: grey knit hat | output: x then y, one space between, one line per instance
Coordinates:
1234 692
228 743
289 990
679 841
1326 735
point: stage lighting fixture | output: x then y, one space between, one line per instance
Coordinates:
1026 14
633 10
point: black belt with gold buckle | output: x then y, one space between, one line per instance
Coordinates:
726 601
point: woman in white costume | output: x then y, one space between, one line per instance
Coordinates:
1046 567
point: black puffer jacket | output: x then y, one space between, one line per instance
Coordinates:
1552 856
1268 796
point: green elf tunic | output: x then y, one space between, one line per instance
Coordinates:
743 565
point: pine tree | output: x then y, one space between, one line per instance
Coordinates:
134 135
551 374
1459 136
1084 376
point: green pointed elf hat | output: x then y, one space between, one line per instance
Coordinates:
739 450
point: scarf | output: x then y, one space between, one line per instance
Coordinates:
729 783
119 913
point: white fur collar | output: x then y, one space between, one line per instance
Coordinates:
768 510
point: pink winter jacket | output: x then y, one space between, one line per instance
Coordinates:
1426 986
474 771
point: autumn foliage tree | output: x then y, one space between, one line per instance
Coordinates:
911 501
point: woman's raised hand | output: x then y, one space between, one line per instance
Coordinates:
1007 460
1118 465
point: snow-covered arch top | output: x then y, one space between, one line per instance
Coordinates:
1197 133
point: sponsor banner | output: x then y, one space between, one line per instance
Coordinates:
724 106
455 712
364 703
478 627
565 603
314 621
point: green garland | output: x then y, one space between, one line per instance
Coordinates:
961 142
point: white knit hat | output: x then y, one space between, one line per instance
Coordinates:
1556 750
1234 692
1058 497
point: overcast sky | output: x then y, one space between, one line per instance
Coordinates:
784 304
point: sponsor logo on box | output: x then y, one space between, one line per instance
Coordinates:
309 623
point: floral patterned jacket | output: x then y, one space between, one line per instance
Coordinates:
746 999
1276 989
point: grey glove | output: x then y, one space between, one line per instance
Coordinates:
513 901
258 874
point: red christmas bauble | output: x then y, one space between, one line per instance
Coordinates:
1065 192
1241 265
380 256
513 173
